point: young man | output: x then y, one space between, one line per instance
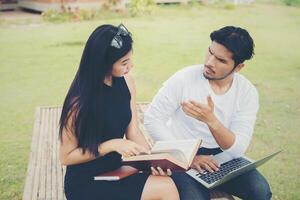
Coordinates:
215 103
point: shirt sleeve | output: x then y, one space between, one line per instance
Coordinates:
243 122
162 107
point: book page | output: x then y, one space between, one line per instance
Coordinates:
185 146
176 153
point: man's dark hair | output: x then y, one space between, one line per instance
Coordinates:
236 40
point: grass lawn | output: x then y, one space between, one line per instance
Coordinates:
38 63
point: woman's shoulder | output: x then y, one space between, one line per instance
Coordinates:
130 83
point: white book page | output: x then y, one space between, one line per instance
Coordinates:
185 146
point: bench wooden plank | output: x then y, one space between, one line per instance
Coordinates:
49 155
45 175
60 176
31 169
36 185
54 156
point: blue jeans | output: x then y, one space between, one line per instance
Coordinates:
251 185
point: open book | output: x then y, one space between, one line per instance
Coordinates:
176 155
118 174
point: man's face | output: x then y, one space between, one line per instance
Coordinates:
218 62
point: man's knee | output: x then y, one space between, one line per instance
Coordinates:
188 188
258 187
260 191
251 185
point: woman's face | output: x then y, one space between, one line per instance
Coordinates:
123 65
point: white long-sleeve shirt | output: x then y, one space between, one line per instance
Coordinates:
236 110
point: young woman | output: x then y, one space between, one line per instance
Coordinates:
98 110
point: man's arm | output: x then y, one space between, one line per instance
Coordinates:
236 138
163 106
205 113
243 123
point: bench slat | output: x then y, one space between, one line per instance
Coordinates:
60 176
54 156
43 173
49 155
36 186
31 169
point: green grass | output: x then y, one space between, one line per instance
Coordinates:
38 63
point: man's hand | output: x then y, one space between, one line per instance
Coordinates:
203 162
201 112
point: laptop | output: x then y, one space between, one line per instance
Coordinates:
229 169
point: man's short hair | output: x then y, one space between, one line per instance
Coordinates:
237 40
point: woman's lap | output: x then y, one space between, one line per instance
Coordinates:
127 188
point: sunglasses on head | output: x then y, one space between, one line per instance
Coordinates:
117 40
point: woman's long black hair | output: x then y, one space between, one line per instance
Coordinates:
83 100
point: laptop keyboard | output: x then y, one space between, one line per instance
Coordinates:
224 169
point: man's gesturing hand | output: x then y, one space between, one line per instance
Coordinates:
202 112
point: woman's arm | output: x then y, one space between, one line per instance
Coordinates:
133 132
70 153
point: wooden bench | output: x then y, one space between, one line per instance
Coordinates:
44 180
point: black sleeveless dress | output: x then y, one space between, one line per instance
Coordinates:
79 183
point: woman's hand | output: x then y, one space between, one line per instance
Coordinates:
127 148
157 171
